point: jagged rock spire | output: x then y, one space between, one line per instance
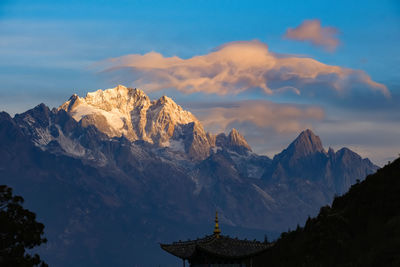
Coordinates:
236 139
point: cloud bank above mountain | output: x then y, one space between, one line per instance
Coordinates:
281 118
312 31
235 68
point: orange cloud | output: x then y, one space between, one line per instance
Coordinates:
312 31
234 68
282 118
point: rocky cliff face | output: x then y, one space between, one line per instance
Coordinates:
116 172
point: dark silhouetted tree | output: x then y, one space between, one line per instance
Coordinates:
19 231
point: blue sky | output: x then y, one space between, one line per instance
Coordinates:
51 49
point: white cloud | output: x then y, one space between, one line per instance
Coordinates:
262 114
234 68
312 31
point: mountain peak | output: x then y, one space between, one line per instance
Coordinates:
307 143
165 99
236 139
234 132
234 142
307 133
117 95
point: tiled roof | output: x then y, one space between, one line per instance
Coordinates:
223 246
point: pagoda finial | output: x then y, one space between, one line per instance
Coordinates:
217 231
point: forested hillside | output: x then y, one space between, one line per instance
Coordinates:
361 228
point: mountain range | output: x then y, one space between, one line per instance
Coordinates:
113 173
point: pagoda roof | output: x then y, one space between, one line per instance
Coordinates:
219 246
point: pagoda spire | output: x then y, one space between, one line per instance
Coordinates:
217 231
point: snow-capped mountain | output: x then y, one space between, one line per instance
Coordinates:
130 113
148 170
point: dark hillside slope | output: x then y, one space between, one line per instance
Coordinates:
361 228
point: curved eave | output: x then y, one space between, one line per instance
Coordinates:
185 249
220 255
172 250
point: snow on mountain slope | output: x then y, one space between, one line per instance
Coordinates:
129 112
